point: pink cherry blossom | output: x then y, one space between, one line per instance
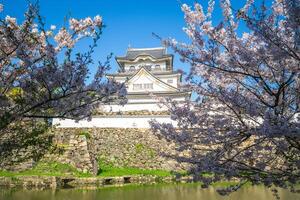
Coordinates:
244 122
42 76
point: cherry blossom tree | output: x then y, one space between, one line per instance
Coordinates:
245 121
41 75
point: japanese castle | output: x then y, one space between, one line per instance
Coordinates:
148 75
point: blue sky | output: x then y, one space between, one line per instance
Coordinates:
129 22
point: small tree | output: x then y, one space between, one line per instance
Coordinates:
245 121
42 77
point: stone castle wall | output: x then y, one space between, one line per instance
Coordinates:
84 148
75 149
118 147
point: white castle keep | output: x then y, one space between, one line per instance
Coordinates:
147 73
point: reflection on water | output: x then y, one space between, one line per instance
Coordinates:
154 192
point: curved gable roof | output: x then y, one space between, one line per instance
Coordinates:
152 76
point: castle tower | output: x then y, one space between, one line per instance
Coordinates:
147 72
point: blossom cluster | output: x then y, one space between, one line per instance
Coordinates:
41 75
80 28
245 119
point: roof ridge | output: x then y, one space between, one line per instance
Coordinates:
143 49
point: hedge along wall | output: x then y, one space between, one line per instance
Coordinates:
124 147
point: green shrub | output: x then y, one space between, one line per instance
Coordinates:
139 147
58 149
85 133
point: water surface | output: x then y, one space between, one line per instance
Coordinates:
154 192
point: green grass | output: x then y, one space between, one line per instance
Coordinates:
108 171
47 169
59 169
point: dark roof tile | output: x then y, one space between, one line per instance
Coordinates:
155 52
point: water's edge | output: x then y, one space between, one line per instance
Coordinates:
53 182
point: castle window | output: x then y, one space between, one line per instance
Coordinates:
137 86
170 81
157 67
131 68
148 67
148 86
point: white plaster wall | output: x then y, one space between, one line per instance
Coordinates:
113 122
139 104
174 78
120 79
133 107
152 100
138 64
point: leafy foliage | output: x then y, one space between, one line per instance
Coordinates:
24 141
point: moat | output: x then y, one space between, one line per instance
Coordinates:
145 192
